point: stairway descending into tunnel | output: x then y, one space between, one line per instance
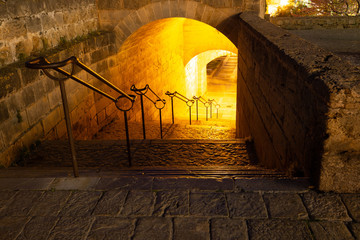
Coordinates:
201 148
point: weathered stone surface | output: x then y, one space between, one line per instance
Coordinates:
153 228
79 183
138 203
50 203
21 204
111 203
142 183
5 198
330 230
191 228
111 228
171 203
81 203
193 183
38 228
10 227
25 183
325 207
278 229
278 185
246 205
355 228
208 204
352 203
225 228
285 205
71 228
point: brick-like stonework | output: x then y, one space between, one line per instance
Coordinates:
301 105
305 23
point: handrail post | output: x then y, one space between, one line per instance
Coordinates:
210 109
172 110
143 116
207 113
68 127
197 109
190 114
127 138
161 135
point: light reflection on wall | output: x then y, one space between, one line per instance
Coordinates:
195 71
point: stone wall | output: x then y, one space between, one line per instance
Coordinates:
30 103
300 104
304 23
29 27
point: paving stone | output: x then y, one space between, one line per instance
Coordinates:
193 183
285 205
111 228
278 229
325 207
225 228
355 228
38 228
171 203
246 205
50 203
138 203
191 228
5 198
272 185
21 203
25 183
111 203
81 204
71 228
10 227
208 204
139 183
71 183
352 203
153 228
330 230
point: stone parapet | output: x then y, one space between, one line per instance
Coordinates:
305 23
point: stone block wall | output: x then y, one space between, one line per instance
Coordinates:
29 27
304 23
31 106
300 104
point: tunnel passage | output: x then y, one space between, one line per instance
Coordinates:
170 55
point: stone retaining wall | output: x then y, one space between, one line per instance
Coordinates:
300 104
303 23
28 27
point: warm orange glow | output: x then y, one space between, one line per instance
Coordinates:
273 5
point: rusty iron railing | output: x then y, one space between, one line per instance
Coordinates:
189 103
43 64
158 103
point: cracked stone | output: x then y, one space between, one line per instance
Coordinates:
225 228
21 204
330 230
112 228
71 228
153 228
352 203
325 207
171 203
208 204
278 229
10 227
38 228
50 203
81 204
285 205
138 203
246 205
111 203
355 228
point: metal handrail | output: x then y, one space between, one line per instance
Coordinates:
143 92
217 106
203 101
43 64
189 102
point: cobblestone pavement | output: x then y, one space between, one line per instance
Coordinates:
173 208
